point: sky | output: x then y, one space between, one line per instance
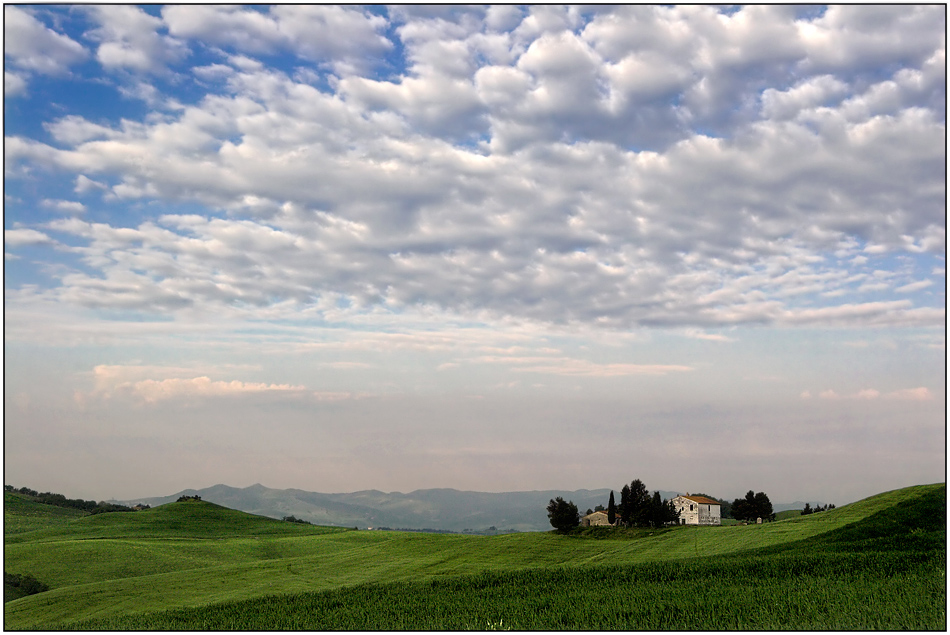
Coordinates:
497 248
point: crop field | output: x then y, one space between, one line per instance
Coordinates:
875 564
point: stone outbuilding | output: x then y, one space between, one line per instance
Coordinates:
595 518
697 510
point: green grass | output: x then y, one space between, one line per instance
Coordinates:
788 513
848 592
192 520
21 515
205 567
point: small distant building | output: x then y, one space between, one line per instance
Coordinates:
697 510
594 519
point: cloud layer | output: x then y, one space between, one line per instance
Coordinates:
639 166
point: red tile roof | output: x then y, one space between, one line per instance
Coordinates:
702 500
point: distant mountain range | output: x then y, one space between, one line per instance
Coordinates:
442 509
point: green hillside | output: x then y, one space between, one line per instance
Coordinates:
188 519
127 570
20 514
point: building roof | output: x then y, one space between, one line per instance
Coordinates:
702 500
597 512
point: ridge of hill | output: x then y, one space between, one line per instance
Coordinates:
441 508
196 519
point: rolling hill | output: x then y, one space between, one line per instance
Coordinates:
444 509
197 565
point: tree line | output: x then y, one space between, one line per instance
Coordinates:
817 508
636 509
58 500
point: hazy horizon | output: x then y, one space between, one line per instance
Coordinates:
339 248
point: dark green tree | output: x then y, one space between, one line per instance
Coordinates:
672 515
752 507
611 509
639 504
656 511
563 514
744 508
625 505
763 506
807 510
662 512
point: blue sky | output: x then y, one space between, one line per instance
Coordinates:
491 248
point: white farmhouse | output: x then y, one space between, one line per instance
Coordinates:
697 510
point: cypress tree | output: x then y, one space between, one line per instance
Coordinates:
625 506
611 509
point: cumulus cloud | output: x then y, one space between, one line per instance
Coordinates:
14 84
25 237
67 207
542 172
32 46
345 39
129 39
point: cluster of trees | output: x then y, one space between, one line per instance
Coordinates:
294 519
818 508
23 583
563 514
58 500
184 499
636 509
755 505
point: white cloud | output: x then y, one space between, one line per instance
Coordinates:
152 390
32 46
711 337
14 84
816 91
25 237
84 185
346 39
129 39
914 286
549 211
173 383
68 207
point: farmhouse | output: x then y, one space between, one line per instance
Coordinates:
596 518
697 510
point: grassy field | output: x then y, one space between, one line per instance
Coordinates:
877 563
21 515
